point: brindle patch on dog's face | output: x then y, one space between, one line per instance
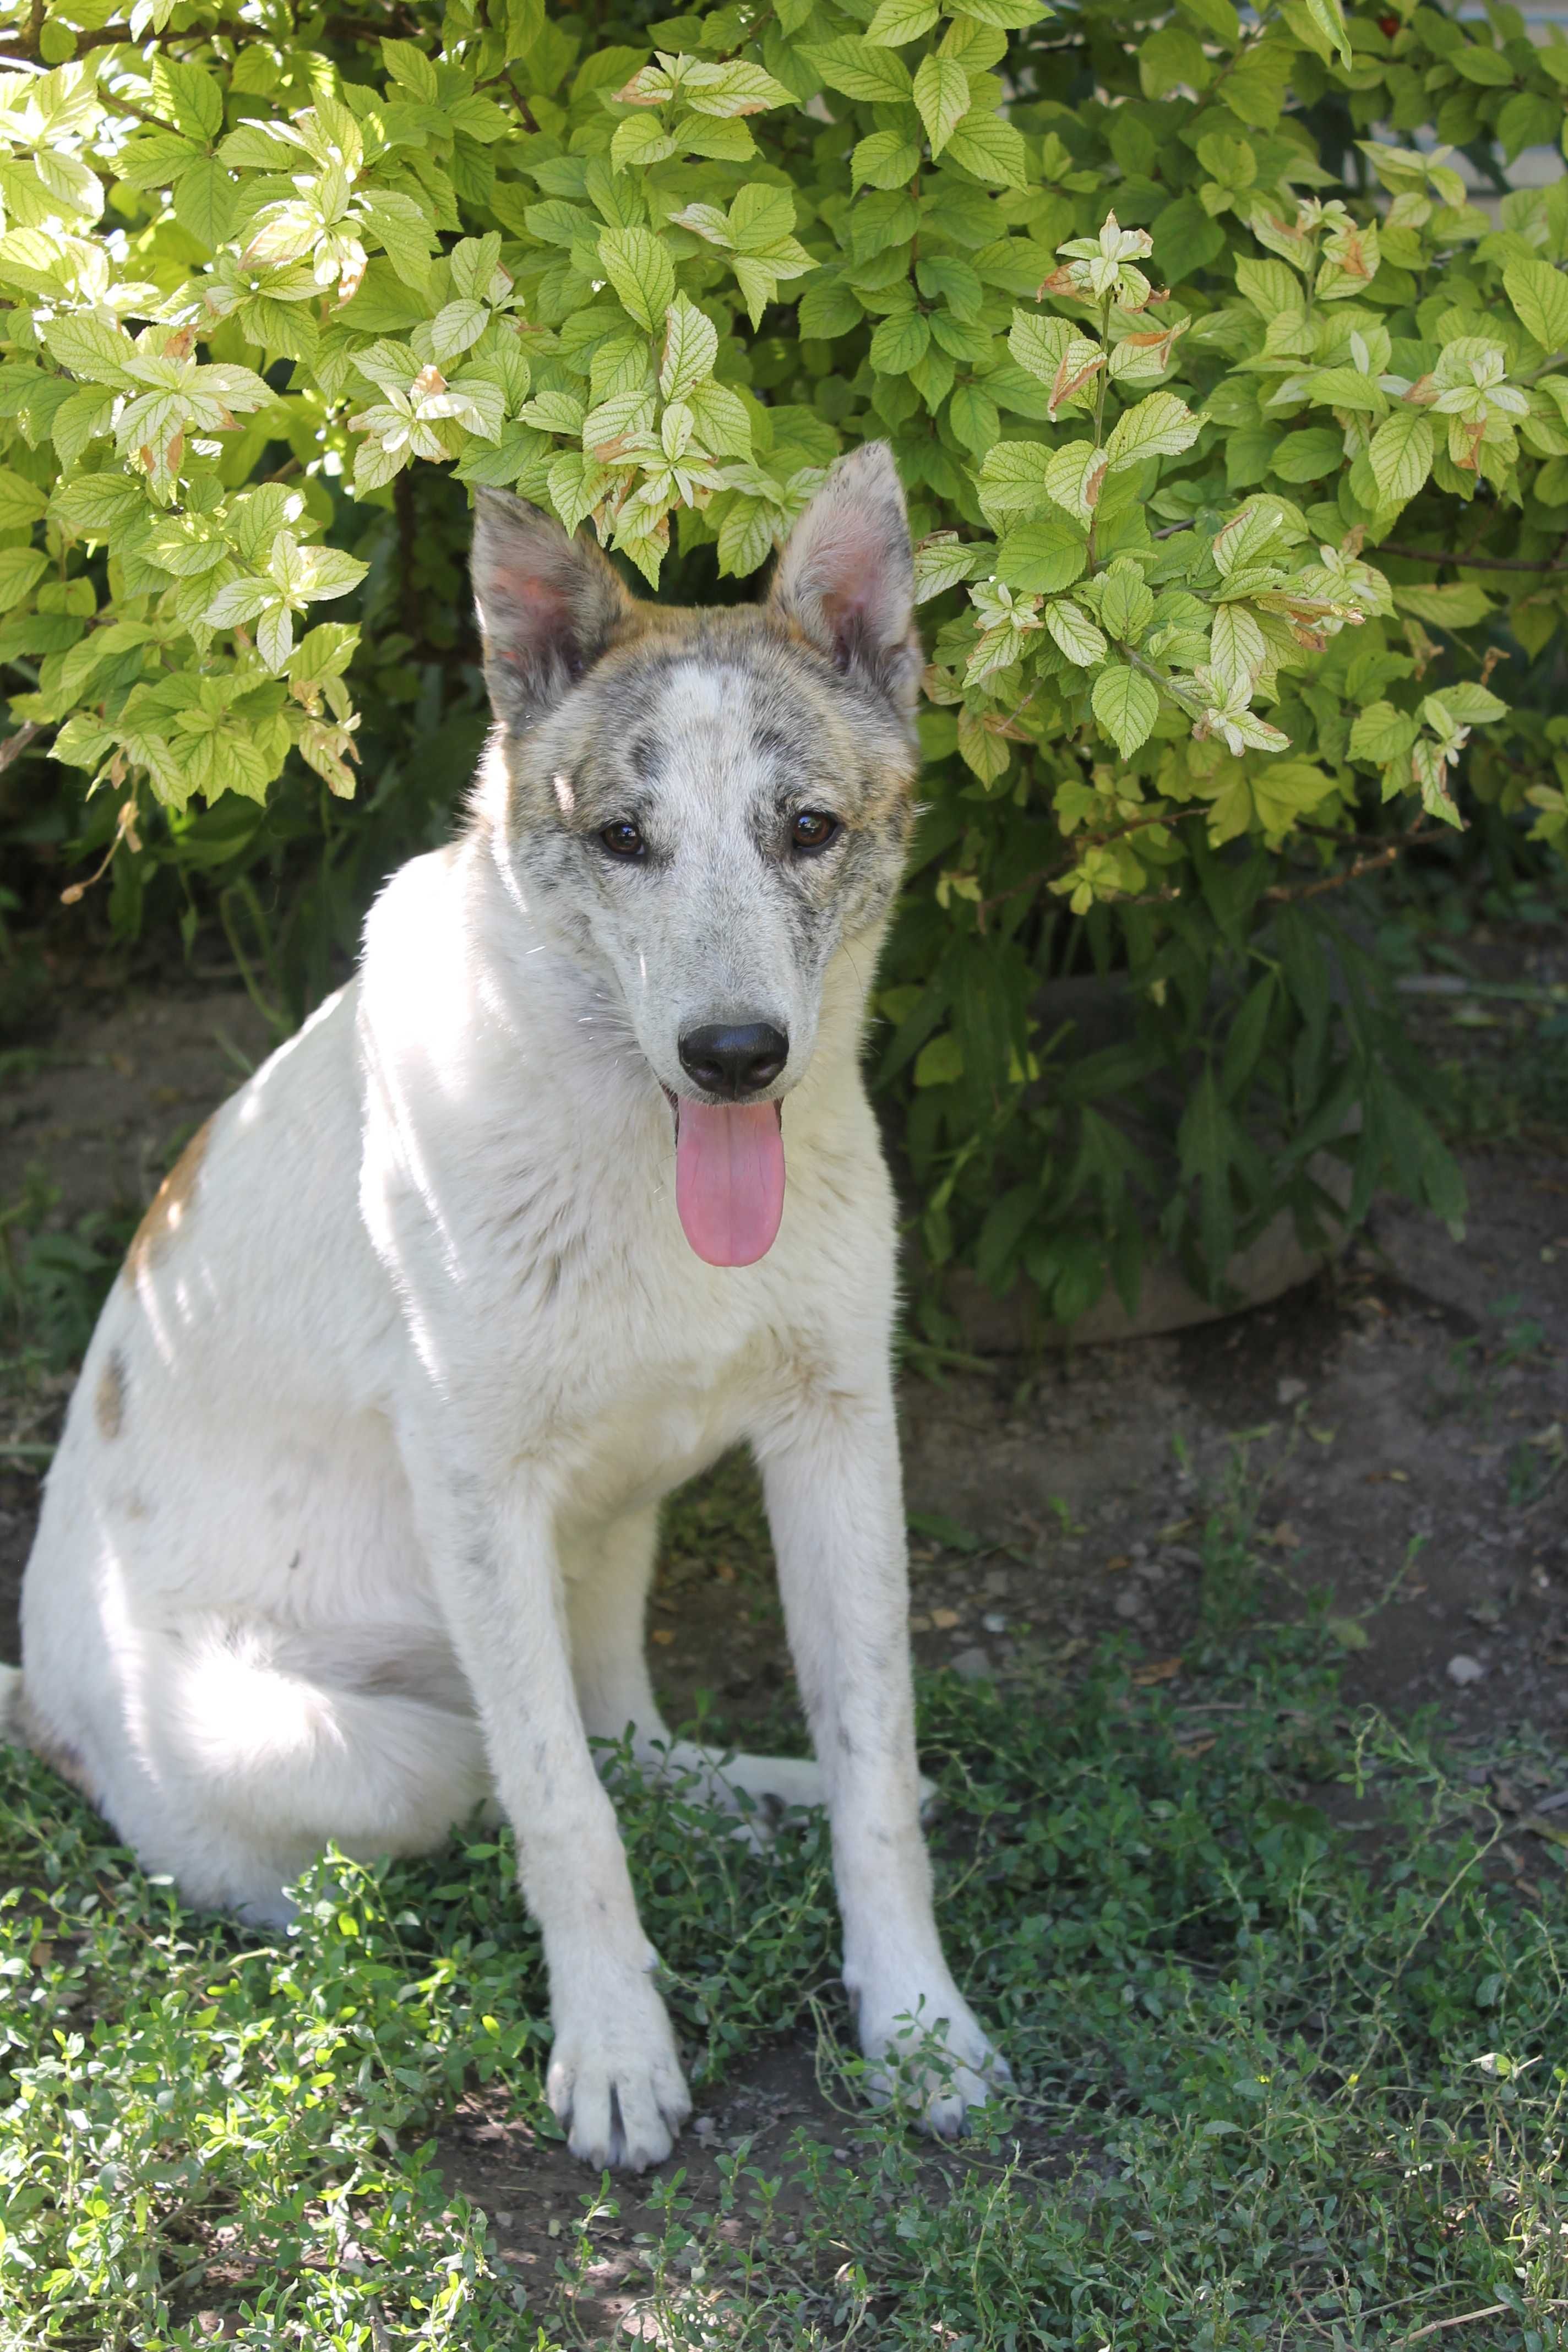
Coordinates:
711 733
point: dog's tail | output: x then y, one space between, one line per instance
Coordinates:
10 1703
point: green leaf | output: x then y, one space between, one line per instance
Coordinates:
740 86
1075 633
638 266
21 569
1486 67
1328 17
1186 239
21 502
1126 602
1540 297
1309 455
1126 704
900 341
991 149
860 70
1400 453
690 349
886 160
898 21
827 308
90 347
941 99
411 69
97 504
1042 558
972 414
205 201
1468 704
940 1062
1159 425
1382 734
1454 604
190 95
456 326
942 562
1008 16
1248 1031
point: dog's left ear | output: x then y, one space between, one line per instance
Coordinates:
549 606
847 579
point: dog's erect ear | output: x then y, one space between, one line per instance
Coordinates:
548 606
847 580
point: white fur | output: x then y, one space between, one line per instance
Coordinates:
369 1536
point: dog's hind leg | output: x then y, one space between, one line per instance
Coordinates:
249 1748
608 1607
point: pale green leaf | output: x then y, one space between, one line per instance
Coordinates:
1539 294
1126 704
638 266
1400 453
941 99
1160 426
1075 633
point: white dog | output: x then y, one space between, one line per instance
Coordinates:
353 1520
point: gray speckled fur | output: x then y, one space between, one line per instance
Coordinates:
710 729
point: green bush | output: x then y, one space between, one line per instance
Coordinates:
1236 435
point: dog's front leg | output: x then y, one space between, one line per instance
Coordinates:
835 1503
614 2078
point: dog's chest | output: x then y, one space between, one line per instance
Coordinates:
636 1451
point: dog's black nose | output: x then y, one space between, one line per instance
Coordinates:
735 1062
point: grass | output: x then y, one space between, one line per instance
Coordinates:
1290 2053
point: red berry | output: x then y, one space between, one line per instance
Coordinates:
1388 27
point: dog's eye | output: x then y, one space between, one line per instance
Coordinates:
813 829
623 840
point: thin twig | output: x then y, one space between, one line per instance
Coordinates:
1352 872
1462 2319
1470 563
14 745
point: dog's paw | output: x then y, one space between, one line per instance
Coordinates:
929 2058
615 2084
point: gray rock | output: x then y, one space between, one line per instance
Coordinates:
1464 1670
973 1665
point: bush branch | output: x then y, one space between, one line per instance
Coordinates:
1472 562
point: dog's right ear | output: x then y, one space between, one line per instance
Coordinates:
548 606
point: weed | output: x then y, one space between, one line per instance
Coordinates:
53 1279
1272 2092
1477 1365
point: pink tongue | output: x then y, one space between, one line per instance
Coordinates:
730 1181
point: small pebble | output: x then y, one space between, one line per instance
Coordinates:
1291 1392
994 1622
944 1619
972 1666
1463 1669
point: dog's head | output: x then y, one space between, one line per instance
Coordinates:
710 803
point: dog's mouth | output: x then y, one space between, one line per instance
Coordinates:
728 1177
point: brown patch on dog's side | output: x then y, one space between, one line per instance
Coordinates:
109 1401
59 1754
171 1207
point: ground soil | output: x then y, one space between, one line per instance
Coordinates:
1404 1436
